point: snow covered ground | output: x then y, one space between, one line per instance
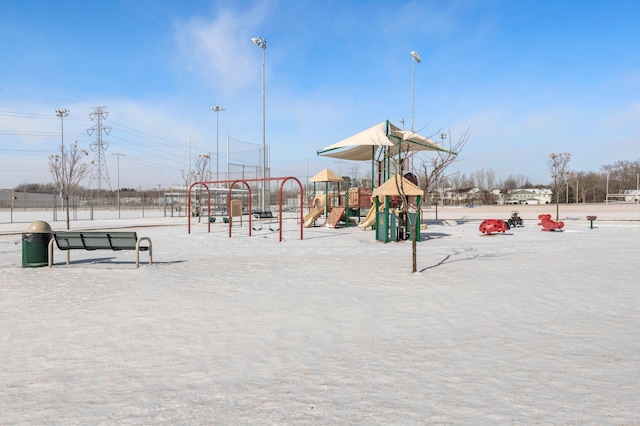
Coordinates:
524 327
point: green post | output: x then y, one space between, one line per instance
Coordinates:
346 214
326 199
416 234
386 218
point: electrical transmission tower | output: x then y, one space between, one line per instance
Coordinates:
100 174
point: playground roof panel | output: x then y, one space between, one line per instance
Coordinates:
391 187
327 176
362 146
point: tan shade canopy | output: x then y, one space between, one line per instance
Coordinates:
394 184
363 146
327 176
412 142
357 153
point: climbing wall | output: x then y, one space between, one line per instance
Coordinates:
335 215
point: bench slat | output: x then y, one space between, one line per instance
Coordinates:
97 240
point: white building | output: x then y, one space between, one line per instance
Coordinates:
530 196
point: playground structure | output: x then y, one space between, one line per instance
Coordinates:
493 225
396 211
230 207
591 219
336 205
347 204
370 218
317 209
548 224
387 148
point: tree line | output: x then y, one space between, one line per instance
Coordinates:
572 186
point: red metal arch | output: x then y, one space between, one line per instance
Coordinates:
246 182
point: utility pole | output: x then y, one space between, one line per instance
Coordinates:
115 154
190 156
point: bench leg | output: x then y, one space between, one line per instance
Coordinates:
50 250
138 251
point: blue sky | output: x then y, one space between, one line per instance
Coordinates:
527 78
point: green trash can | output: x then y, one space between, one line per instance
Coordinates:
35 243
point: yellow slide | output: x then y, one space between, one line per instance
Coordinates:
311 217
369 220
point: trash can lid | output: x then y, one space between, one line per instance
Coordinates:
39 226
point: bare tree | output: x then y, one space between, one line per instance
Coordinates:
491 181
200 174
433 168
201 171
187 177
509 184
407 203
480 179
590 183
68 170
437 163
623 175
558 167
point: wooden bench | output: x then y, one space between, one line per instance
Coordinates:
81 240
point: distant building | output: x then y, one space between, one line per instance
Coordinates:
530 196
498 196
477 196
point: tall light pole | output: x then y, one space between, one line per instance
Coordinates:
443 136
414 58
217 110
262 44
62 113
115 154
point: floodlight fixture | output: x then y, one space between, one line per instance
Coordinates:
260 42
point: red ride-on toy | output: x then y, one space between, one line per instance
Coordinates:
493 225
548 224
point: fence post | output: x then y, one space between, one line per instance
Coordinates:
91 205
55 207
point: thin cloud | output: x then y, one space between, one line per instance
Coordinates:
219 50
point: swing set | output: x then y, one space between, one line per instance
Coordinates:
246 182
